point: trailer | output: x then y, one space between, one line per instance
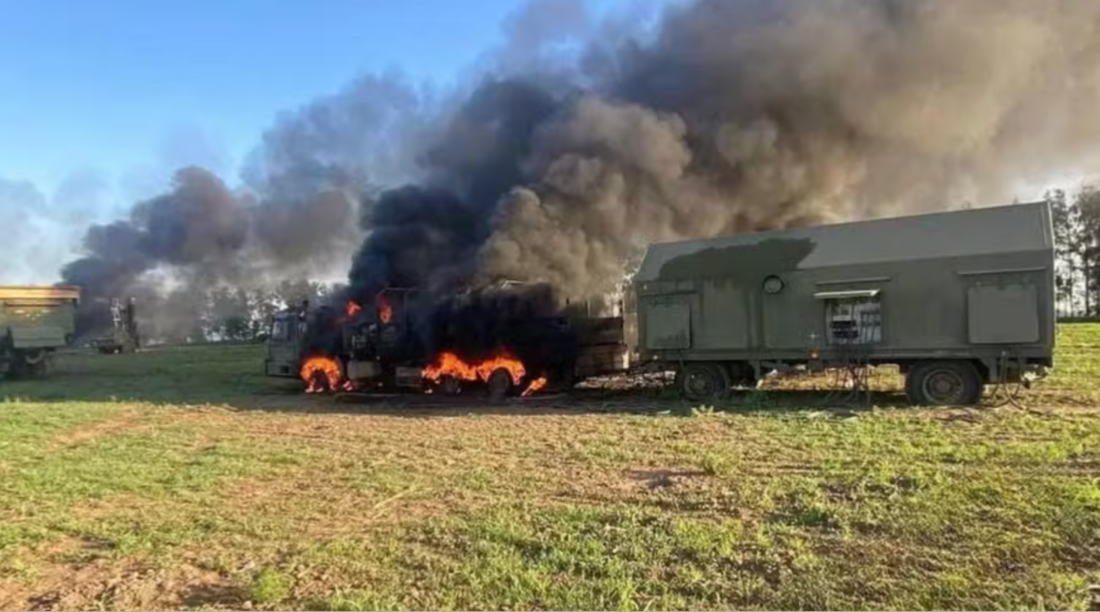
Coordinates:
957 300
35 321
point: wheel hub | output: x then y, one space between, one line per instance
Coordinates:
944 386
699 383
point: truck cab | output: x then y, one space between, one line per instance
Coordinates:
284 343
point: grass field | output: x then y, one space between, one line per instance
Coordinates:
183 479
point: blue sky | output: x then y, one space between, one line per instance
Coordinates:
100 101
113 88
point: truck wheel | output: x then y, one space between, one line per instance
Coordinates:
450 385
701 382
500 382
943 383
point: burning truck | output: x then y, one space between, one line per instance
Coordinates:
956 300
502 340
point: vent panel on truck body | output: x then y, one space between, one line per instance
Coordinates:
668 325
1006 314
724 320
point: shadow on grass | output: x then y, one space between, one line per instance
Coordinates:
218 595
231 377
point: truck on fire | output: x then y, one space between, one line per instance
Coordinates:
382 345
35 321
956 300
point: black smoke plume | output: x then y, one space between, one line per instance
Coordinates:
742 115
428 235
564 158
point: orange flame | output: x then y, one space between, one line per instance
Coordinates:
535 385
450 364
385 311
352 309
316 368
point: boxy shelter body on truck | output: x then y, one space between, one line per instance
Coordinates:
956 299
35 321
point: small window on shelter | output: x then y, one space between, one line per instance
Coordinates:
852 317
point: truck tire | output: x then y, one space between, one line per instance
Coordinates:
500 382
943 383
449 385
703 382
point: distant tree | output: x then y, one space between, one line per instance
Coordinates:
1086 207
292 293
230 313
236 327
198 333
1076 224
1066 238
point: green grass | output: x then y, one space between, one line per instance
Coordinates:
184 479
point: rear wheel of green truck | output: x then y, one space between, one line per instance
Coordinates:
943 383
703 382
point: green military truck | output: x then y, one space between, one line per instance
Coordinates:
35 321
957 300
284 343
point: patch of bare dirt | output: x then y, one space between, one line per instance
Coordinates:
128 420
663 478
65 580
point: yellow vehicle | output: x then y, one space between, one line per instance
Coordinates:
35 321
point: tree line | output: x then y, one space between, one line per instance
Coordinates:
1076 222
222 313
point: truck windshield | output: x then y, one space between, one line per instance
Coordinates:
280 330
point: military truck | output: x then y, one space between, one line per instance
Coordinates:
122 337
284 344
35 321
377 346
957 300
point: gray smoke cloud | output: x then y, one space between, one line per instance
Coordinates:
295 217
39 224
201 234
21 206
726 116
576 142
746 115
